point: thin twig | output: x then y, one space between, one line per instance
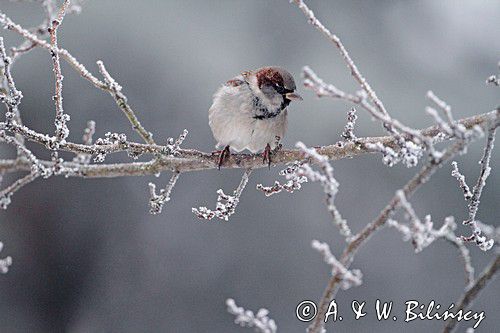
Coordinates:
7 23
121 101
350 63
470 295
157 201
226 204
193 160
62 131
359 239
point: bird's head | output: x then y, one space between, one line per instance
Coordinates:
274 84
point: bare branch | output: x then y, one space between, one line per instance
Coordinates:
62 131
348 133
494 79
7 23
5 263
461 180
350 63
88 134
121 101
359 239
226 204
328 182
13 97
470 295
294 181
474 200
194 160
158 200
246 318
348 278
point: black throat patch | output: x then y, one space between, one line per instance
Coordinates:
264 113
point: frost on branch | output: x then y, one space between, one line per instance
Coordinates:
490 231
494 79
408 153
348 278
461 180
158 200
348 133
174 145
226 204
115 90
246 318
473 198
83 158
422 234
5 263
293 183
330 185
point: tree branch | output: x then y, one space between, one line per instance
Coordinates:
194 160
478 285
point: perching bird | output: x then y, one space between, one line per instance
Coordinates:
249 111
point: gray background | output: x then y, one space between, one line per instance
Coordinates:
88 257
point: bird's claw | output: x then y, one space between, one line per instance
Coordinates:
224 154
267 156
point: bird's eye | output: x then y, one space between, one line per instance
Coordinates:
278 88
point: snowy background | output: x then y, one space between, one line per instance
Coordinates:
88 257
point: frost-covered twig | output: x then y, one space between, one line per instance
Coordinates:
473 198
465 255
442 105
473 291
36 169
7 23
348 278
121 100
348 133
394 126
246 318
329 183
6 194
350 63
449 127
194 160
157 201
61 118
293 183
494 79
490 231
408 142
360 238
226 204
423 234
461 180
88 133
12 97
173 147
409 153
5 263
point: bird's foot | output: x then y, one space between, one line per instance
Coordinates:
267 155
223 155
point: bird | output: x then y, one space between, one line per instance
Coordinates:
250 112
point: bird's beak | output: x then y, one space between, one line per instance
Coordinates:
293 96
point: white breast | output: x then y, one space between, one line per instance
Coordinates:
231 118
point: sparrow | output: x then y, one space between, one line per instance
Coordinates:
250 111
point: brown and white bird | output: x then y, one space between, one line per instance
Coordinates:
250 111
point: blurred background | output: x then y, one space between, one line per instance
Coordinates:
88 256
